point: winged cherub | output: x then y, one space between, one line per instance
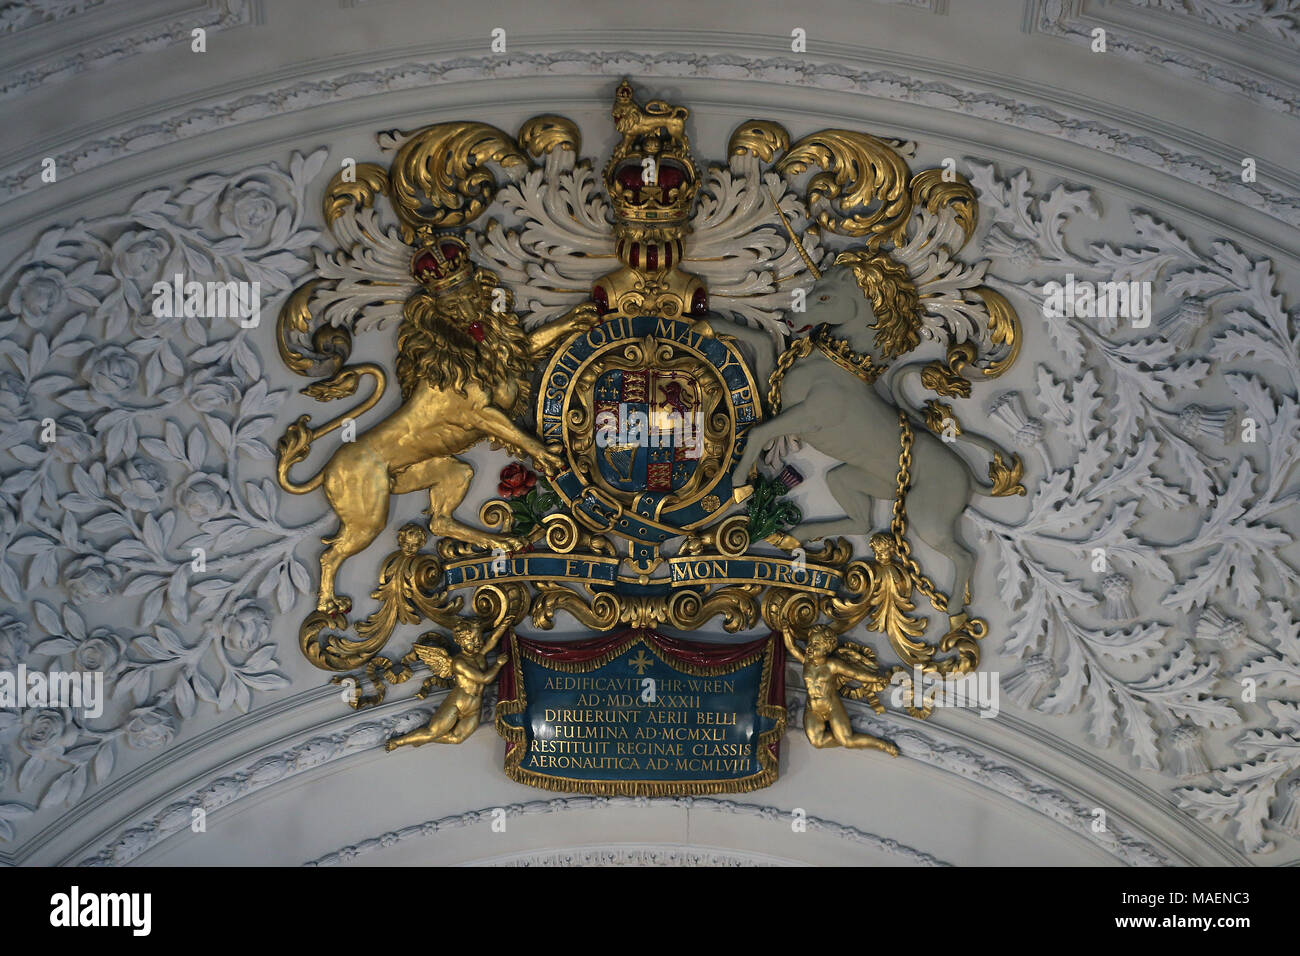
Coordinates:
458 715
827 667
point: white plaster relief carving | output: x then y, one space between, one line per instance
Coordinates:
158 450
1274 93
624 855
1142 146
484 816
1131 437
269 770
1093 498
1275 18
16 17
114 46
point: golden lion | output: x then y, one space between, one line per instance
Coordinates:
464 373
633 121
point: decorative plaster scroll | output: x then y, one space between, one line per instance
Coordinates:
1057 19
1279 19
111 46
924 744
140 408
636 855
694 857
964 760
16 17
1143 146
749 261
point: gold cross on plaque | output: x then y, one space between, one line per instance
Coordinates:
641 662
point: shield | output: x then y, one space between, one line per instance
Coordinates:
651 413
649 424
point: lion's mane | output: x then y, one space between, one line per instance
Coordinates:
893 298
433 347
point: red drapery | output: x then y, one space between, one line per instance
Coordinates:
675 649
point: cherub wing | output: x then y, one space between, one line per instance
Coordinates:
437 658
862 660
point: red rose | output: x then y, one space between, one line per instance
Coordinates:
516 481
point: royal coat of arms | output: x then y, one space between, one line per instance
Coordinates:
655 341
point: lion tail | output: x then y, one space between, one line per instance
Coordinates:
295 444
1005 469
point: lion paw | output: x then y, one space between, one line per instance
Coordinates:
585 316
510 543
336 609
550 463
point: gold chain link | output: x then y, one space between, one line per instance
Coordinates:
797 350
800 349
899 525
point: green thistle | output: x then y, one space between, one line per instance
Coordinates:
768 509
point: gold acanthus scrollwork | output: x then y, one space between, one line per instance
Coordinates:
331 345
564 536
946 378
866 189
684 609
937 189
862 189
545 134
409 591
762 138
354 188
439 176
876 591
729 538
1004 330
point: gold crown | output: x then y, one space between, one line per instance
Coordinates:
839 352
442 262
650 178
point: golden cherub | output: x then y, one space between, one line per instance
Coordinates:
458 715
827 667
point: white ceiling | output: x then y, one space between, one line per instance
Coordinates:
1158 127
